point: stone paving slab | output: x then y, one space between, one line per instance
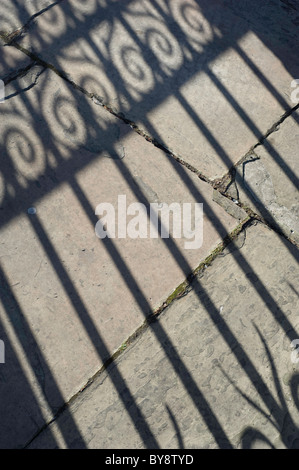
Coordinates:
206 79
214 371
70 299
267 181
203 78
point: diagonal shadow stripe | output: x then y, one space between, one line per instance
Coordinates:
31 348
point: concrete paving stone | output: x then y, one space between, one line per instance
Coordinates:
207 79
12 61
230 206
70 299
267 181
216 370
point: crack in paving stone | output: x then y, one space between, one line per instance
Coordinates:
217 185
229 178
13 36
30 77
20 72
229 205
253 177
98 101
287 223
238 235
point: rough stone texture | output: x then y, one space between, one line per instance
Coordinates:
214 371
16 13
267 181
230 206
69 298
207 79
